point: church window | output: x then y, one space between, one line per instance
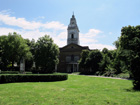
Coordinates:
72 57
72 36
72 47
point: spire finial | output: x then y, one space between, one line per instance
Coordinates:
73 14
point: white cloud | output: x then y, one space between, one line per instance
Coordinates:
62 35
20 22
24 24
54 25
6 12
59 42
33 29
5 31
60 39
89 37
92 33
101 46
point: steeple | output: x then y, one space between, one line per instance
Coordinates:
73 31
73 14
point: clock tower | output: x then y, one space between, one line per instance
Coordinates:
73 32
70 53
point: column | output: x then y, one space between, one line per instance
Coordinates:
73 67
77 67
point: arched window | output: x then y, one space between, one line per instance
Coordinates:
72 36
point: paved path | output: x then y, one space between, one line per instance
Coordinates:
103 77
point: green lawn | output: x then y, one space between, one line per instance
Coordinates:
78 90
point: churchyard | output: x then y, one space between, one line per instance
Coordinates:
42 58
77 90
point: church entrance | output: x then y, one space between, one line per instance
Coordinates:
72 67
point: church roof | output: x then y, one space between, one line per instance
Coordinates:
72 44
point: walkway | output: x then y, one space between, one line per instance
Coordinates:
103 77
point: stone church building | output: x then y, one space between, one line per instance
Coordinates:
70 54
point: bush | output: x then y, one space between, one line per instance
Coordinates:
13 72
9 72
10 78
28 72
124 75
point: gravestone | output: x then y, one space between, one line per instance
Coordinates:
22 65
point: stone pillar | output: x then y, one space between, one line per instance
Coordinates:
73 67
77 67
55 67
22 65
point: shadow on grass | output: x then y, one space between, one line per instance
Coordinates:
132 90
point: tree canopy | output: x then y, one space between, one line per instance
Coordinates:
89 61
13 48
129 48
46 54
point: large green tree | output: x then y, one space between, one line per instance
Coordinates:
13 48
93 60
129 47
82 62
3 60
106 62
89 61
29 62
46 54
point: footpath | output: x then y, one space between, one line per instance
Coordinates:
103 77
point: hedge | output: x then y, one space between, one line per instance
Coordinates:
14 72
9 72
10 78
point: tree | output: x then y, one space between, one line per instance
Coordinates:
3 60
93 60
105 62
13 48
29 62
82 61
129 46
46 54
106 65
89 61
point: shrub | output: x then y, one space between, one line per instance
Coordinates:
13 72
124 75
10 78
28 72
9 72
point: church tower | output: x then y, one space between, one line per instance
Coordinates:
70 53
73 32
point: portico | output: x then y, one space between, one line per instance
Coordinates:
72 67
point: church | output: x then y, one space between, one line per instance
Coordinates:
70 54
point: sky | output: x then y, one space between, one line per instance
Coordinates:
99 21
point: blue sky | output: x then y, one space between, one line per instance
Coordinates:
99 21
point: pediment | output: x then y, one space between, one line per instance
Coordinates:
73 46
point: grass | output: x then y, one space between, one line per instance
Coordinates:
77 90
